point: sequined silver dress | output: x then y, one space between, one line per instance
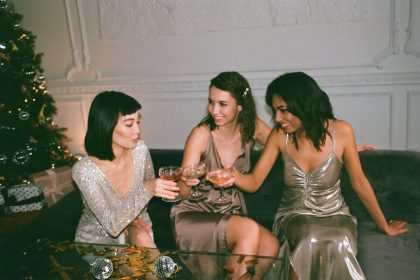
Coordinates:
317 231
105 213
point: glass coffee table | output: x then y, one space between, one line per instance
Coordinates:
66 260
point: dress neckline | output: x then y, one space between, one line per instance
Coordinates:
320 166
108 183
216 152
332 153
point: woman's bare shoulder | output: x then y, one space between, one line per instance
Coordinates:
200 132
343 127
198 139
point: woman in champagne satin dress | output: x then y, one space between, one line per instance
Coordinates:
313 220
223 139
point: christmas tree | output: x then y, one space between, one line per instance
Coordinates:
30 141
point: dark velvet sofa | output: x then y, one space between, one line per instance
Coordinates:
394 175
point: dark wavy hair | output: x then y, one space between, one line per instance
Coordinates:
104 112
236 85
307 101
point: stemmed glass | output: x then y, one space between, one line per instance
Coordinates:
219 177
171 173
193 172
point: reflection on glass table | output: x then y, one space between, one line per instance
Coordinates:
65 260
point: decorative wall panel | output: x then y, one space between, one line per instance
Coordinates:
413 127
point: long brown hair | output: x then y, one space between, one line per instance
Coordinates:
240 90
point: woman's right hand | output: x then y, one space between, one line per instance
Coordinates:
162 188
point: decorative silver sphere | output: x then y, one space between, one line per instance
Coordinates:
165 267
101 268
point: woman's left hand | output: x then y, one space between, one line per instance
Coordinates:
396 227
138 223
365 147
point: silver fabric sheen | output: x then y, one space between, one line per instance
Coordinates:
317 231
105 214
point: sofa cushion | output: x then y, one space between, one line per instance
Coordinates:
394 176
389 257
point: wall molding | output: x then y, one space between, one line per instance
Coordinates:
412 28
192 84
394 47
83 68
413 130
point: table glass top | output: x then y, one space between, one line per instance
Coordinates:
67 260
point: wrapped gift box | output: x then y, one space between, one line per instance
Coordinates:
55 184
24 198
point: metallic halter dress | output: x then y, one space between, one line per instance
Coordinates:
314 224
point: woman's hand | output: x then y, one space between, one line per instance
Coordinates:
227 183
162 188
396 227
190 182
365 147
139 223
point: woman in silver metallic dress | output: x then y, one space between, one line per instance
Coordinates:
313 219
223 139
116 178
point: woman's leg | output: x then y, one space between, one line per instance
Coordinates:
269 247
292 274
243 237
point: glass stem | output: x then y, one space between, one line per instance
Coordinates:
221 192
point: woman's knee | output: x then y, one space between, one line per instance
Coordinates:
242 229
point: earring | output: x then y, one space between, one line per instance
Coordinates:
239 108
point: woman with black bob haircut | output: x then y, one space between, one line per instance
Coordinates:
104 112
313 220
116 178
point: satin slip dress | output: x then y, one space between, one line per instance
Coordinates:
316 230
201 226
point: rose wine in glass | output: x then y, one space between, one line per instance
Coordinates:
171 173
219 177
193 172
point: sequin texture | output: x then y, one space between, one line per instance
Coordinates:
105 214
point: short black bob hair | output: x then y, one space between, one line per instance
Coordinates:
104 112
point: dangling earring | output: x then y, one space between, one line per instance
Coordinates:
239 108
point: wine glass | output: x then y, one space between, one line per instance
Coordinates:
219 177
193 172
171 173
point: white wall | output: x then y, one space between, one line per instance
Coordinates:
364 53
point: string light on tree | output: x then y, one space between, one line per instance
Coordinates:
30 141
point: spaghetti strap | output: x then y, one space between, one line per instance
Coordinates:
285 143
333 136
